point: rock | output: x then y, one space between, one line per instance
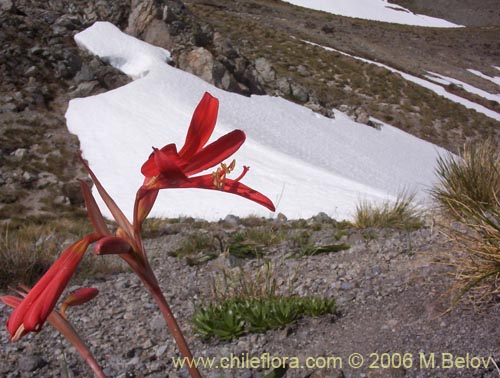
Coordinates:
284 86
223 46
322 373
361 115
232 220
141 15
61 200
202 35
31 363
72 190
299 92
322 218
20 153
265 70
6 5
202 63
386 373
86 73
328 29
303 71
157 33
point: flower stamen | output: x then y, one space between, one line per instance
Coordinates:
219 176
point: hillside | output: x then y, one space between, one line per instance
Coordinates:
337 111
249 47
463 12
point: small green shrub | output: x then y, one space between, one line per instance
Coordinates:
401 214
254 302
235 317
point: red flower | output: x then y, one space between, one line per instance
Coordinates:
169 168
33 311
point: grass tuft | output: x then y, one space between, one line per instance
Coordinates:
470 181
468 193
28 249
401 214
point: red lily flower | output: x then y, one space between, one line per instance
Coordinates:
58 321
167 168
33 311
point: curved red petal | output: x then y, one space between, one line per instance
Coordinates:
144 202
168 162
201 127
242 190
80 296
230 186
215 152
34 309
112 245
149 168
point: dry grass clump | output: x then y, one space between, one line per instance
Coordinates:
468 193
28 250
401 214
470 181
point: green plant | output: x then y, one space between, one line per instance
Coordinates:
234 317
194 244
222 320
254 302
311 250
401 214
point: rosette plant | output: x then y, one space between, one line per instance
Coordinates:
165 168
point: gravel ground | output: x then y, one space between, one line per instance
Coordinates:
388 291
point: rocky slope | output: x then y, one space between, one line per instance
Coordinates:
249 47
462 12
390 294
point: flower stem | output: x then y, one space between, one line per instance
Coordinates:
152 285
63 326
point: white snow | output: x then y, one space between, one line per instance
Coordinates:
436 88
377 10
469 88
494 79
304 162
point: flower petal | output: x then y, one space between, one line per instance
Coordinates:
34 309
120 218
112 245
230 186
144 202
93 211
79 297
201 127
242 190
215 152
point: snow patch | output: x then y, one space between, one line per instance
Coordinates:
377 10
303 161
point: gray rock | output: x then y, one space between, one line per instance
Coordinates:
265 70
157 33
386 373
299 92
85 89
142 13
322 373
284 86
31 363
